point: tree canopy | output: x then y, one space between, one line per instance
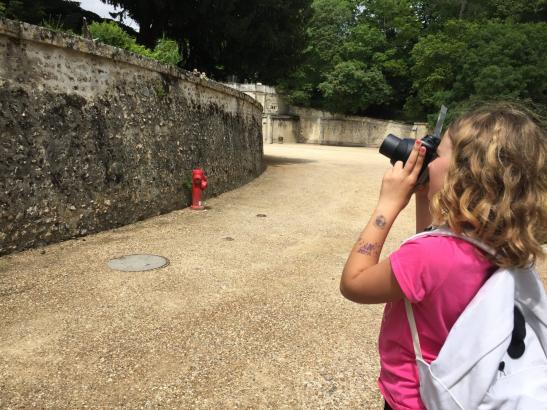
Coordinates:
473 61
404 58
256 40
66 15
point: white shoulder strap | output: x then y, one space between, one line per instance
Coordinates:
413 330
444 230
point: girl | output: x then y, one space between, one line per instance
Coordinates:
488 181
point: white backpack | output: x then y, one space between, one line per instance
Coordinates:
487 362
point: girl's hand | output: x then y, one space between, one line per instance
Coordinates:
400 181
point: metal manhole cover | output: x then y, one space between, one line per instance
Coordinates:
138 263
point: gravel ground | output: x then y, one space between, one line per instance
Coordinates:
246 315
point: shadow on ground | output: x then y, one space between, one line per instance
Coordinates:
273 161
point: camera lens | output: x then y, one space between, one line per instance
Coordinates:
396 149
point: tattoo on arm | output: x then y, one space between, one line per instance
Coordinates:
380 222
367 248
372 248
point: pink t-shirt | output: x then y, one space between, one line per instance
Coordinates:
439 275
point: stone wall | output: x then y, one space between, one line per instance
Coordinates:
321 127
283 123
93 137
278 125
265 95
281 129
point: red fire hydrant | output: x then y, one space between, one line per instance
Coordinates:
199 183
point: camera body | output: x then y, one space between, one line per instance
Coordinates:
397 149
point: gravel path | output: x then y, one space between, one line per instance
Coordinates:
247 314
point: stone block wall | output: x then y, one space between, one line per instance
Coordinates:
282 122
321 127
266 95
280 129
93 137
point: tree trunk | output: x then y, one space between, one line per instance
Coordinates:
148 34
463 4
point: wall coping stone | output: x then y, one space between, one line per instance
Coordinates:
37 34
324 115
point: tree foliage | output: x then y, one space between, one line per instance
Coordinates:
474 61
366 43
352 87
112 34
404 58
434 13
108 32
327 30
25 10
253 40
65 15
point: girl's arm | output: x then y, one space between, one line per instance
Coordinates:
364 280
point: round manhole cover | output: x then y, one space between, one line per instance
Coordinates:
138 263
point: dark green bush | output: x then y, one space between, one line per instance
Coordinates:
108 32
167 51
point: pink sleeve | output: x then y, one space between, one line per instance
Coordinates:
413 268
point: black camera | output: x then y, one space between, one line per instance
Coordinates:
397 149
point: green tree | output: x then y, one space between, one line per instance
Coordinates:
435 13
352 87
152 17
373 40
417 54
472 61
109 32
329 27
26 10
63 15
167 51
529 11
258 40
401 28
327 31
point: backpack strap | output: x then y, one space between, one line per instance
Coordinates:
413 330
444 230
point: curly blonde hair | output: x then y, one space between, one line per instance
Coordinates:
496 186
